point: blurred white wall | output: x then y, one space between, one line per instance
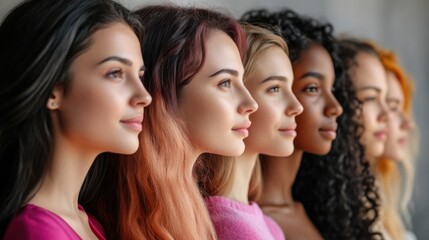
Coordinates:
396 24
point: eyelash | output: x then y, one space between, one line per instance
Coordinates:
115 74
225 83
369 99
394 108
274 89
311 89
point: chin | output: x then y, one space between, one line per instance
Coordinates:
232 150
323 150
375 153
127 149
287 151
284 151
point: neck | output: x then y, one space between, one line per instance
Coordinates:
279 175
61 184
241 176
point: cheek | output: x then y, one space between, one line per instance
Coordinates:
265 118
369 118
393 127
307 120
208 116
92 111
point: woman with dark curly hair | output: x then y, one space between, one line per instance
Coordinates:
325 189
365 70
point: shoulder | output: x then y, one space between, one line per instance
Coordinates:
36 223
274 228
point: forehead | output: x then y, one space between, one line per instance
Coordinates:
316 59
273 61
368 71
114 39
394 89
221 52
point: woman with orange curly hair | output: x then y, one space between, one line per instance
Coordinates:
394 200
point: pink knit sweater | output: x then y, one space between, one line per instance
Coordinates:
235 220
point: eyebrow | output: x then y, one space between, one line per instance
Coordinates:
225 70
312 74
118 59
274 78
369 88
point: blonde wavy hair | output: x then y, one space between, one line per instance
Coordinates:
396 186
215 172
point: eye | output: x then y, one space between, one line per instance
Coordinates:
369 99
225 83
393 107
311 89
115 74
274 89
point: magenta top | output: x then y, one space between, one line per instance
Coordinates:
36 223
235 220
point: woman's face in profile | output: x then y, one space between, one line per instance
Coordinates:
103 106
313 85
399 124
369 78
215 104
273 124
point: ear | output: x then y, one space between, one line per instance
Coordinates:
54 101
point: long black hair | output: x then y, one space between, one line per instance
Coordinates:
39 40
337 190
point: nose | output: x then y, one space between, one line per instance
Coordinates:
407 122
294 108
247 104
333 107
384 115
141 96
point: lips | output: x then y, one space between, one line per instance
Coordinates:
288 131
381 135
329 132
242 129
403 141
133 123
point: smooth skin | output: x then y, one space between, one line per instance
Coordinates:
215 104
273 124
316 129
101 111
400 122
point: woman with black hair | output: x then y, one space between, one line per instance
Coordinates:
70 90
368 74
325 189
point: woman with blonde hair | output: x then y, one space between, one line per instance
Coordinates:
394 199
193 70
225 181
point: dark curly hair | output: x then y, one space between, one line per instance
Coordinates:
337 190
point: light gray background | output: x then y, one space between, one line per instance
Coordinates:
400 25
